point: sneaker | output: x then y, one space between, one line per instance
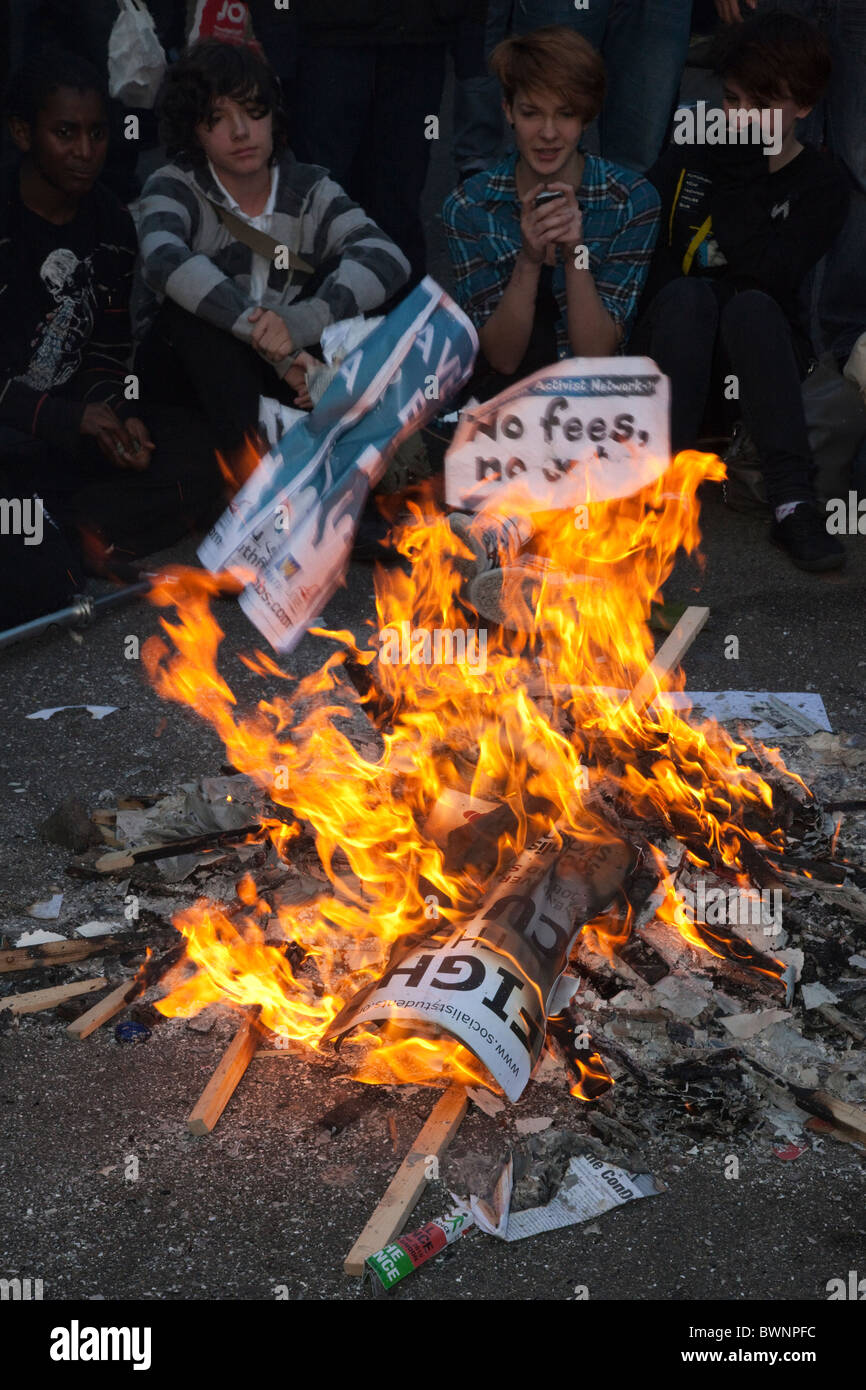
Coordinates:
743 491
743 485
489 538
521 583
804 535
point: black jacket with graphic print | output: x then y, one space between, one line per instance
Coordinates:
725 215
65 335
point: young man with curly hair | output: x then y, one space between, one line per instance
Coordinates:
251 253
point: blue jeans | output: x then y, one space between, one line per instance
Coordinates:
361 112
644 44
839 120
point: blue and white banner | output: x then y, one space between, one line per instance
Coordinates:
289 530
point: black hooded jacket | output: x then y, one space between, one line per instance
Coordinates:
341 23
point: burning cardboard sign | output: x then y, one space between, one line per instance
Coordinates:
580 431
490 982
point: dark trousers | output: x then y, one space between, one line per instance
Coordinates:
185 360
700 340
362 113
137 512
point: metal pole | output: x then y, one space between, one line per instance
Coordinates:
81 613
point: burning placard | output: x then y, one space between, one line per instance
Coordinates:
288 532
489 984
583 430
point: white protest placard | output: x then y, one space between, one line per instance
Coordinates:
583 430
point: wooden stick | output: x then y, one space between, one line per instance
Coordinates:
395 1208
848 1117
118 860
219 1090
61 952
669 656
36 999
113 1003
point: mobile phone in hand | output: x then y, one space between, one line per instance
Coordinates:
548 196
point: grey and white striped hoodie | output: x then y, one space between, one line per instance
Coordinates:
188 254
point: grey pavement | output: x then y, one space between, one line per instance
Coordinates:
270 1199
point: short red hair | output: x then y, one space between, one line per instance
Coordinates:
554 59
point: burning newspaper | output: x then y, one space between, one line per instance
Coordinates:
489 984
288 532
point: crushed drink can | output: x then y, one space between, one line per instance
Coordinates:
403 1256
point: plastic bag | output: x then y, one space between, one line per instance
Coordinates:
136 62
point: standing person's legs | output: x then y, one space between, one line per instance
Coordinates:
678 331
408 90
757 339
538 14
645 47
842 292
332 108
477 102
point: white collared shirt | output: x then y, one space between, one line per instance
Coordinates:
260 264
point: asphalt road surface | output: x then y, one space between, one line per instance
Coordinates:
270 1200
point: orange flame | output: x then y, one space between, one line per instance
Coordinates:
553 738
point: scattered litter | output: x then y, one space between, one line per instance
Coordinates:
786 1124
533 1124
784 714
679 998
48 910
96 711
96 928
38 938
485 1100
817 994
794 958
404 1255
588 1187
747 1025
790 1152
130 1032
846 750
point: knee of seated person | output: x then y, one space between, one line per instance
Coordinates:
689 295
749 304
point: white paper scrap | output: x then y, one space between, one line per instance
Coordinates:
748 1025
97 928
47 911
96 711
816 995
533 1124
38 938
485 1100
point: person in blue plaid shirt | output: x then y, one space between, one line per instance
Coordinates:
551 247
